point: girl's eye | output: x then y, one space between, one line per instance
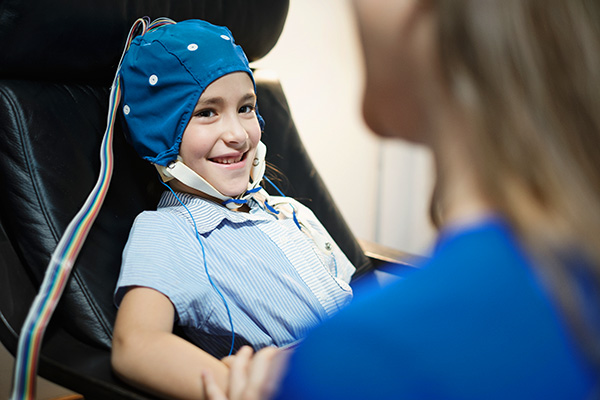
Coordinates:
246 109
204 113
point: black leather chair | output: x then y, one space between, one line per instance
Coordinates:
58 59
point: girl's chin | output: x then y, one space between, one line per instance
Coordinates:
233 190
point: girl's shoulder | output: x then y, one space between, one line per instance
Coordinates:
160 216
297 205
158 225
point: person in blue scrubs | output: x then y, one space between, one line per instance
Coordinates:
506 93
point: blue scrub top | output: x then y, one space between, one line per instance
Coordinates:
473 323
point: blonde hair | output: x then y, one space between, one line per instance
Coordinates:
527 74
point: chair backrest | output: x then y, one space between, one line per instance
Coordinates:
59 59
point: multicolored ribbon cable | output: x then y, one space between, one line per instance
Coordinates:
63 257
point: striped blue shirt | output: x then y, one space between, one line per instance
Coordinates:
277 282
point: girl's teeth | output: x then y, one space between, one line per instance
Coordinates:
227 160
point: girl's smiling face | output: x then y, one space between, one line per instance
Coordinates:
220 140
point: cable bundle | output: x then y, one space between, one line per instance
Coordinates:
63 257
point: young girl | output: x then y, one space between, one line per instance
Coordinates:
219 258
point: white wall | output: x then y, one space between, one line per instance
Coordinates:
319 65
381 187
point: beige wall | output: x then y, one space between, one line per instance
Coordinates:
381 187
45 390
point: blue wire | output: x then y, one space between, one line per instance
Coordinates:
282 195
334 264
235 201
270 208
276 188
206 267
241 201
295 219
256 189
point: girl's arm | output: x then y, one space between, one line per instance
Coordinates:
148 355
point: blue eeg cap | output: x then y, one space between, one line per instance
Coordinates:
163 74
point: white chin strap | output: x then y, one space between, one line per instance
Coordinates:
184 174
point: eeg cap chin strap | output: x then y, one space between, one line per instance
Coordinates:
184 174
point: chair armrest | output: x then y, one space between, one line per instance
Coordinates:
382 255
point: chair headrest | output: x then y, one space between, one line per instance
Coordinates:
82 40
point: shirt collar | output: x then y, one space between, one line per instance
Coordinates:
207 214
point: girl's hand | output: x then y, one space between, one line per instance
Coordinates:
251 377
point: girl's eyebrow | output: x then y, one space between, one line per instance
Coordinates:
207 101
249 97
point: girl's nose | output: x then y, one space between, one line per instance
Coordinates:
234 131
